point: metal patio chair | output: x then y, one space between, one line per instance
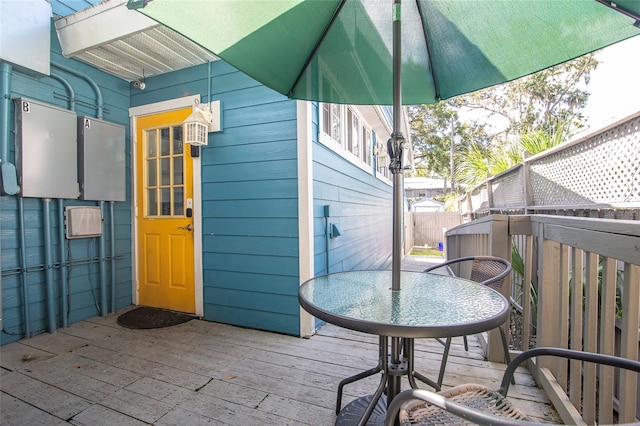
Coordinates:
477 404
486 270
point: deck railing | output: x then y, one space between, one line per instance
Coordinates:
578 287
595 175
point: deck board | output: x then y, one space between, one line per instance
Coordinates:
200 372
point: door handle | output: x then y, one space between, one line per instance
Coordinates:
186 228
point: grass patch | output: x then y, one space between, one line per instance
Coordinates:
426 251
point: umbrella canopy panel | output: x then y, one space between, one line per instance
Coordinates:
340 51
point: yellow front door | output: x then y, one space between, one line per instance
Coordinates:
165 213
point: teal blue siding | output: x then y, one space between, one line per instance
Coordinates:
359 203
250 208
82 254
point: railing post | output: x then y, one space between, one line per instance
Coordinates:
500 246
526 182
629 344
548 295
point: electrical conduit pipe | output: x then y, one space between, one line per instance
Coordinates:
48 265
113 256
63 265
23 270
88 79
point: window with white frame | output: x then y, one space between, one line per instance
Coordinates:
331 122
341 126
367 141
353 133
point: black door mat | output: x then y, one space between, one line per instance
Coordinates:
145 317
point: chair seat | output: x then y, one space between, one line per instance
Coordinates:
416 412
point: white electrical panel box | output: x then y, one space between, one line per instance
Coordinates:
83 221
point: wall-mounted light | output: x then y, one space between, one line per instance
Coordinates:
196 125
203 119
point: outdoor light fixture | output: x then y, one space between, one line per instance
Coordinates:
196 125
203 119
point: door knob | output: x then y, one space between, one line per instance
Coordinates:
186 228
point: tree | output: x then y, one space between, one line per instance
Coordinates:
545 101
530 113
431 132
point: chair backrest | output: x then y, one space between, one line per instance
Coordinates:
486 270
490 272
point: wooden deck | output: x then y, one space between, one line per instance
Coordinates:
97 373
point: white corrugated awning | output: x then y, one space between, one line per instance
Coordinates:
126 43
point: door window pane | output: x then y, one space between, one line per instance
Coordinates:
178 201
177 171
164 142
152 144
165 202
177 140
152 202
152 172
165 171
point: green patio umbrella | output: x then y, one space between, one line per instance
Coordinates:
384 52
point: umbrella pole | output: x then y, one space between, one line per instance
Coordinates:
395 145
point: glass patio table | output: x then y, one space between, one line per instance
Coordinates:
426 306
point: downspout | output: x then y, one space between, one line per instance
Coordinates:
48 265
63 265
72 93
103 267
113 256
23 270
89 80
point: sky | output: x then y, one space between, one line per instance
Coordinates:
615 84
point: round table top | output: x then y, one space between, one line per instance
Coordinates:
426 306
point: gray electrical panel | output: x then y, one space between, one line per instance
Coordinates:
101 160
46 150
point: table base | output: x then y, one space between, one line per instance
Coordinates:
352 413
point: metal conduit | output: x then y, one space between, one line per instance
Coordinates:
23 270
89 80
48 264
113 256
72 93
63 265
103 266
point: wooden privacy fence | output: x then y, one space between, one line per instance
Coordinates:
429 227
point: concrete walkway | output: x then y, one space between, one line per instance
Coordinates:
419 263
